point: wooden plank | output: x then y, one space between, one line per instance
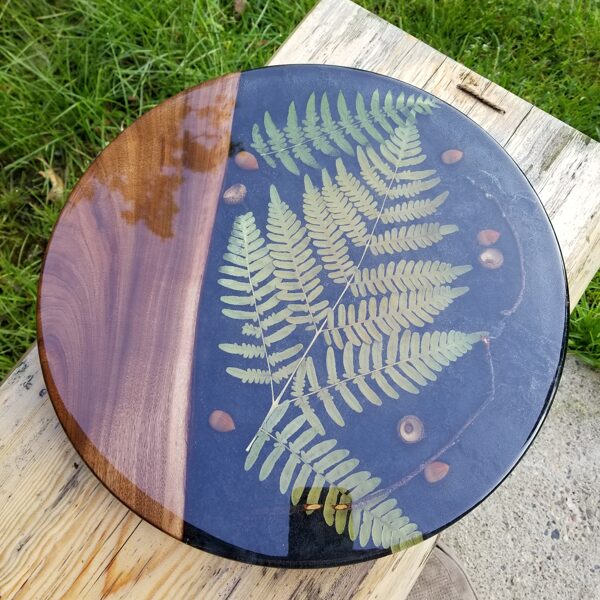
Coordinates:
103 550
65 536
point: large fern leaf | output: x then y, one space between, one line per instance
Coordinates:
413 237
324 132
370 320
346 496
326 236
295 267
361 197
405 275
250 276
404 361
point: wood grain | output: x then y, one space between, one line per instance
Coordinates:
131 283
88 545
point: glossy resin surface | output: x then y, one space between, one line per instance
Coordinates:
302 316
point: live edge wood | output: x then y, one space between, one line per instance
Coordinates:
65 536
127 253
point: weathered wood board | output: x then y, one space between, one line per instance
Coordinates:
64 535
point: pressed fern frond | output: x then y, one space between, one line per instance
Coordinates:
324 132
360 196
332 479
326 236
297 138
372 319
413 237
356 191
387 182
295 267
344 214
250 275
405 275
301 401
405 361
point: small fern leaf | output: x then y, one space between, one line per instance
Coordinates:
412 209
257 445
300 483
323 394
371 320
348 123
410 360
275 358
313 131
386 187
365 119
277 142
271 461
245 350
344 214
260 145
288 473
250 375
332 129
295 266
404 276
274 417
326 237
413 237
378 114
390 109
357 193
297 139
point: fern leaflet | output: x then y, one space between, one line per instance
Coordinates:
250 274
332 481
322 131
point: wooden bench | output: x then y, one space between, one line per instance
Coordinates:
65 536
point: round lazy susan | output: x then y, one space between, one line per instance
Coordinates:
302 316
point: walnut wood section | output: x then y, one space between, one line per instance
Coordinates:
119 297
64 536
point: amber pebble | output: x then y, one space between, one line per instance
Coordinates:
219 420
487 237
246 160
235 193
411 429
491 258
434 471
449 157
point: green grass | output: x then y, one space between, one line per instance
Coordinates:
74 73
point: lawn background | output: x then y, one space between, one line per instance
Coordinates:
74 73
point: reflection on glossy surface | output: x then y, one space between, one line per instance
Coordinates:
362 356
120 292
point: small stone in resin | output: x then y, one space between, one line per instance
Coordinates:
411 429
449 157
221 421
246 160
488 237
235 193
491 258
435 471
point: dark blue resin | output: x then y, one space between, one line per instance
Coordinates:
227 509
